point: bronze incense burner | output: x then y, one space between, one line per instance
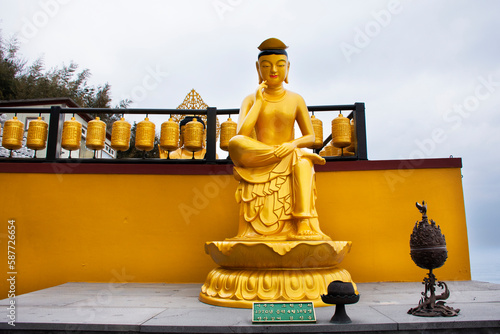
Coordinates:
428 251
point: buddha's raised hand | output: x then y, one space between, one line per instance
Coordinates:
258 94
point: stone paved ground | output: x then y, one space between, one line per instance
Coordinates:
174 308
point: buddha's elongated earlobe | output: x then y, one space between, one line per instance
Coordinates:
258 72
287 71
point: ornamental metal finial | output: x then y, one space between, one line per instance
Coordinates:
423 209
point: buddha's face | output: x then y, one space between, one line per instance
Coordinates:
273 69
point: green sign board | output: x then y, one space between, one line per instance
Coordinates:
283 312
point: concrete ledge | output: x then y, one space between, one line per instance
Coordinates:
174 308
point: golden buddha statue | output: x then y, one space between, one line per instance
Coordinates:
279 253
277 188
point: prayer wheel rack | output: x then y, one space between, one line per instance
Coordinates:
57 116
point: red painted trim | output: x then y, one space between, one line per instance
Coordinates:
104 168
209 169
357 165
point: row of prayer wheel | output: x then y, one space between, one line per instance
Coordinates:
120 137
193 135
343 136
13 133
72 134
38 129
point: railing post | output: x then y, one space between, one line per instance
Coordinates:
359 114
55 133
211 134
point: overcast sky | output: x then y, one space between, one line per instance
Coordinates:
428 71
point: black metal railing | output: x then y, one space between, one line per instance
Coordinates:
56 120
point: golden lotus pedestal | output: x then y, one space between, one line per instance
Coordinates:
269 271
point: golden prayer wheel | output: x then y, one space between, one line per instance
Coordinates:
328 150
193 136
13 132
71 135
354 141
120 135
227 131
318 132
37 134
169 138
145 135
341 132
96 134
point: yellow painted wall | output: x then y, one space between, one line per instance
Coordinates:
376 211
152 228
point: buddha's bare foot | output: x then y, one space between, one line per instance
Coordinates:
315 159
304 231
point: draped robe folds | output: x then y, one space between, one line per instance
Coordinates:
273 193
